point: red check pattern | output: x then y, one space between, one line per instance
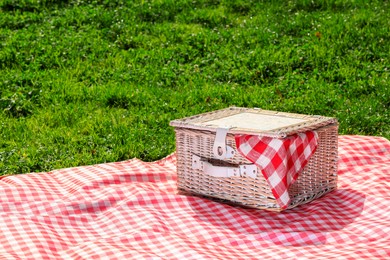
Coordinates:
280 160
131 210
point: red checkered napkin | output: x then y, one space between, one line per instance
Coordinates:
280 159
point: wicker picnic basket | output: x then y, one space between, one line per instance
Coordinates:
196 139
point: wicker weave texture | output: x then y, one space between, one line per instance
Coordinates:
318 177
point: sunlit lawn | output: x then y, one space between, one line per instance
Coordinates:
86 82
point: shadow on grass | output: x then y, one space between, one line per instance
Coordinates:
29 6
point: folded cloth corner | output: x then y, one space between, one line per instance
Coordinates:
279 159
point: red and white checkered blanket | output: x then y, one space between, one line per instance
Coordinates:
131 210
280 159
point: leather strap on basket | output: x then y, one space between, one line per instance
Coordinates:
279 159
220 149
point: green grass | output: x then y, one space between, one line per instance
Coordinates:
85 82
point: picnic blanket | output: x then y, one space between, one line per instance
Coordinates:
131 210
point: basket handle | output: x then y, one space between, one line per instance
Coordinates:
245 170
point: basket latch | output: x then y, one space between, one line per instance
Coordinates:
220 149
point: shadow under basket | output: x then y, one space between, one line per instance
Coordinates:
196 137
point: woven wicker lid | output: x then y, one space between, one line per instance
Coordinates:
254 121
